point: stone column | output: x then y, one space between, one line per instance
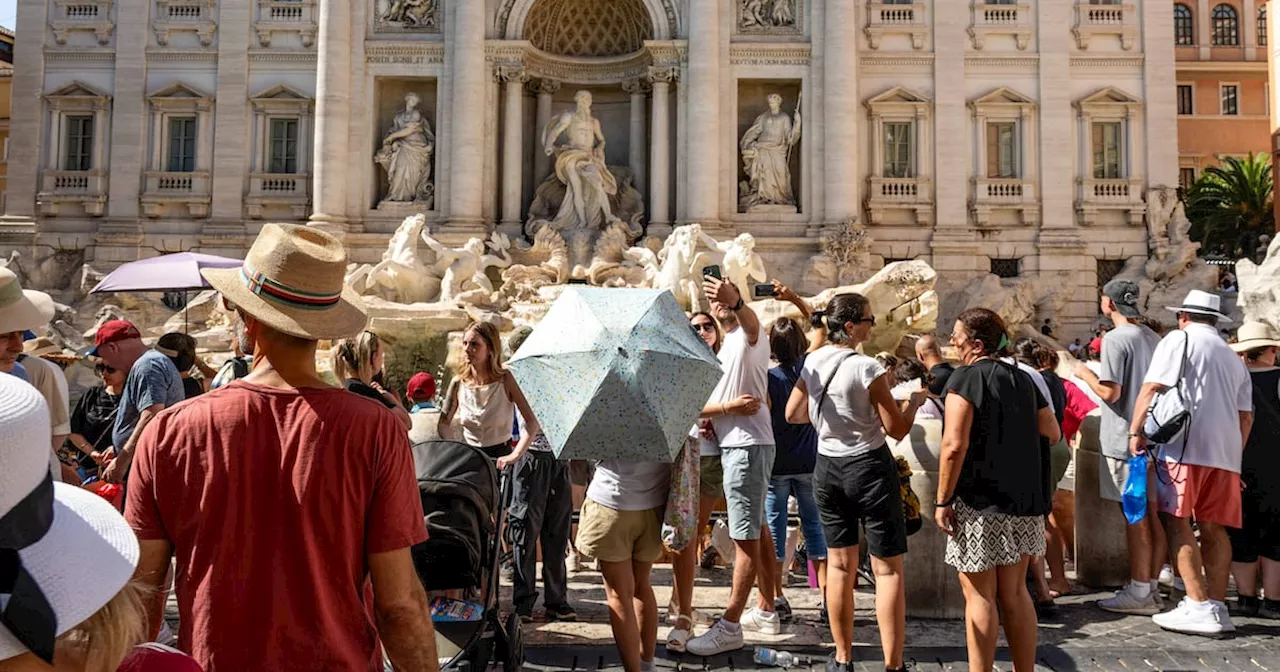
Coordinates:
1057 185
231 156
129 115
1249 26
1204 28
333 117
513 79
544 89
702 115
840 107
660 156
1160 82
25 135
466 165
638 88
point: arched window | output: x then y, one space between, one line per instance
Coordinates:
1184 26
1226 26
1262 26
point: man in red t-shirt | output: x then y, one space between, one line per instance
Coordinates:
287 502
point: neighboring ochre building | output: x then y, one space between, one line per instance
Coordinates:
983 136
1223 92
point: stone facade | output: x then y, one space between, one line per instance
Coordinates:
1011 138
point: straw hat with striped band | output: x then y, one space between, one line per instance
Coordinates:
22 309
292 281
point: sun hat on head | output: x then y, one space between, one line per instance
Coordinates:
1201 303
292 281
61 534
22 309
1253 335
41 347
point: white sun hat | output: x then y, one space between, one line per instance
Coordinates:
22 309
1201 303
74 550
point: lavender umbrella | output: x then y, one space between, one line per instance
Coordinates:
170 272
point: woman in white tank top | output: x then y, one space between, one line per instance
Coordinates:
483 398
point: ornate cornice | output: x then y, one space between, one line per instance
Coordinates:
668 53
997 62
81 55
183 56
503 16
760 53
1110 62
275 56
404 52
587 71
896 62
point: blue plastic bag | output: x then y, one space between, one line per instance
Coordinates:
1134 497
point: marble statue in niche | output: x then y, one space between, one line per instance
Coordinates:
405 155
766 158
419 14
581 166
764 15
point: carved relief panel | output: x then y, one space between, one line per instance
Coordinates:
769 17
407 16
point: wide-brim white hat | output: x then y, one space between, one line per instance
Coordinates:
22 309
1254 335
83 553
1201 303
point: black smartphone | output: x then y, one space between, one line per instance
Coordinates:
712 271
763 291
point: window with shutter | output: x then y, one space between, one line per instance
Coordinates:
182 144
284 146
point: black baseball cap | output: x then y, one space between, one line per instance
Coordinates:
1123 293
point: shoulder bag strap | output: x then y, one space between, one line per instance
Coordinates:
823 397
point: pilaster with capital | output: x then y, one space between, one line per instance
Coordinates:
544 89
639 90
661 79
467 119
513 78
840 105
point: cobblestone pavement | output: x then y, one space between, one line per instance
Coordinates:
1078 637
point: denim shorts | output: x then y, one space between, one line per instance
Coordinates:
746 484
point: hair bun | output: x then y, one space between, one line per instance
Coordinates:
818 319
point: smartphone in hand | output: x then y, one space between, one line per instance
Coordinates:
712 271
763 291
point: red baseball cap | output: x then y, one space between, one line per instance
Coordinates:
113 331
1096 344
421 386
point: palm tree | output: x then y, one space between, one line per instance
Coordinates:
1230 205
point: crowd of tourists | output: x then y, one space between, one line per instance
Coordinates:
281 509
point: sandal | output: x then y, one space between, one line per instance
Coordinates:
679 635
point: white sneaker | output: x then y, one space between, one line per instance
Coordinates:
1166 575
1125 602
1196 618
573 564
715 641
766 622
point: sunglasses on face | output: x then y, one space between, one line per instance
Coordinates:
103 368
704 326
867 320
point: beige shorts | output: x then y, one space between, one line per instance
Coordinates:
610 535
1109 489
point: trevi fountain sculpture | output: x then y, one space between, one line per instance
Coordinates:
405 156
766 158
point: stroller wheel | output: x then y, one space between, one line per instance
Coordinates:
511 652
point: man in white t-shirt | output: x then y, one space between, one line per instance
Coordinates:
747 452
1198 473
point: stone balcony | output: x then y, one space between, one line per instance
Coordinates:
1093 20
92 16
87 188
296 16
1122 195
896 19
1013 20
269 191
197 16
887 194
181 189
1004 194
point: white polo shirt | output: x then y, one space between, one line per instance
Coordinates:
1217 389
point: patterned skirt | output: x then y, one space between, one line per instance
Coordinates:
987 540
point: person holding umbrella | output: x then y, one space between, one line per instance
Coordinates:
847 397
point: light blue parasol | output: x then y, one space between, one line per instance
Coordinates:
616 374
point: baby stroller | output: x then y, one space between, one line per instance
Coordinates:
464 503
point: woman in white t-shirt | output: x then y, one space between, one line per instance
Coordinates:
847 396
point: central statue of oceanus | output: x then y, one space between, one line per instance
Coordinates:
580 165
